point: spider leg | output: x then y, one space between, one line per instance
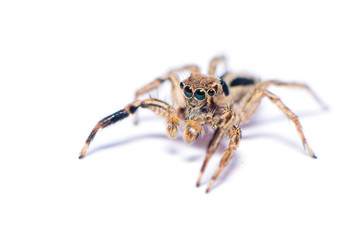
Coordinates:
214 63
222 123
212 147
297 85
276 100
177 97
235 135
252 102
160 108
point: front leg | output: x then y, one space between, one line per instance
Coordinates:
222 123
235 135
160 108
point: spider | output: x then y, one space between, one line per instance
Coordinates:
224 103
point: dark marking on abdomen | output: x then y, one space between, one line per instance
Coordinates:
224 85
241 81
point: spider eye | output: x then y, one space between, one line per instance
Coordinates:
199 94
181 85
211 92
188 92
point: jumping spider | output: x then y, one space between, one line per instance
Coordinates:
224 103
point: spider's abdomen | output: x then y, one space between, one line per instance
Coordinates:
239 85
241 81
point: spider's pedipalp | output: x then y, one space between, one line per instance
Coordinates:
252 100
192 129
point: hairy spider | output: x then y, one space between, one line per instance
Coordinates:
224 103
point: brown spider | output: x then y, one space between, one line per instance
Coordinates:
224 102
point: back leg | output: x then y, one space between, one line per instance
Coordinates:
252 102
266 84
214 63
249 102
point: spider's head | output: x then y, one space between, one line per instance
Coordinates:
199 87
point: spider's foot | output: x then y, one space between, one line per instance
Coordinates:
310 151
83 152
198 183
210 186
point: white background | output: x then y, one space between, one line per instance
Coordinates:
64 65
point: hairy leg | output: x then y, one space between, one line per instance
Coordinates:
235 135
222 124
160 108
252 102
276 100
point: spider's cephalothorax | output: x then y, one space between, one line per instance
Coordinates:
223 102
203 95
200 92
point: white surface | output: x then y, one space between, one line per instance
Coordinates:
65 65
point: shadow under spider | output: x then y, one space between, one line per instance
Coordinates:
200 143
126 141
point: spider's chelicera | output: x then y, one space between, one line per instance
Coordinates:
224 103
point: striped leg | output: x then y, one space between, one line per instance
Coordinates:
160 108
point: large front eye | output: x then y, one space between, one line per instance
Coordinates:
188 92
199 94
